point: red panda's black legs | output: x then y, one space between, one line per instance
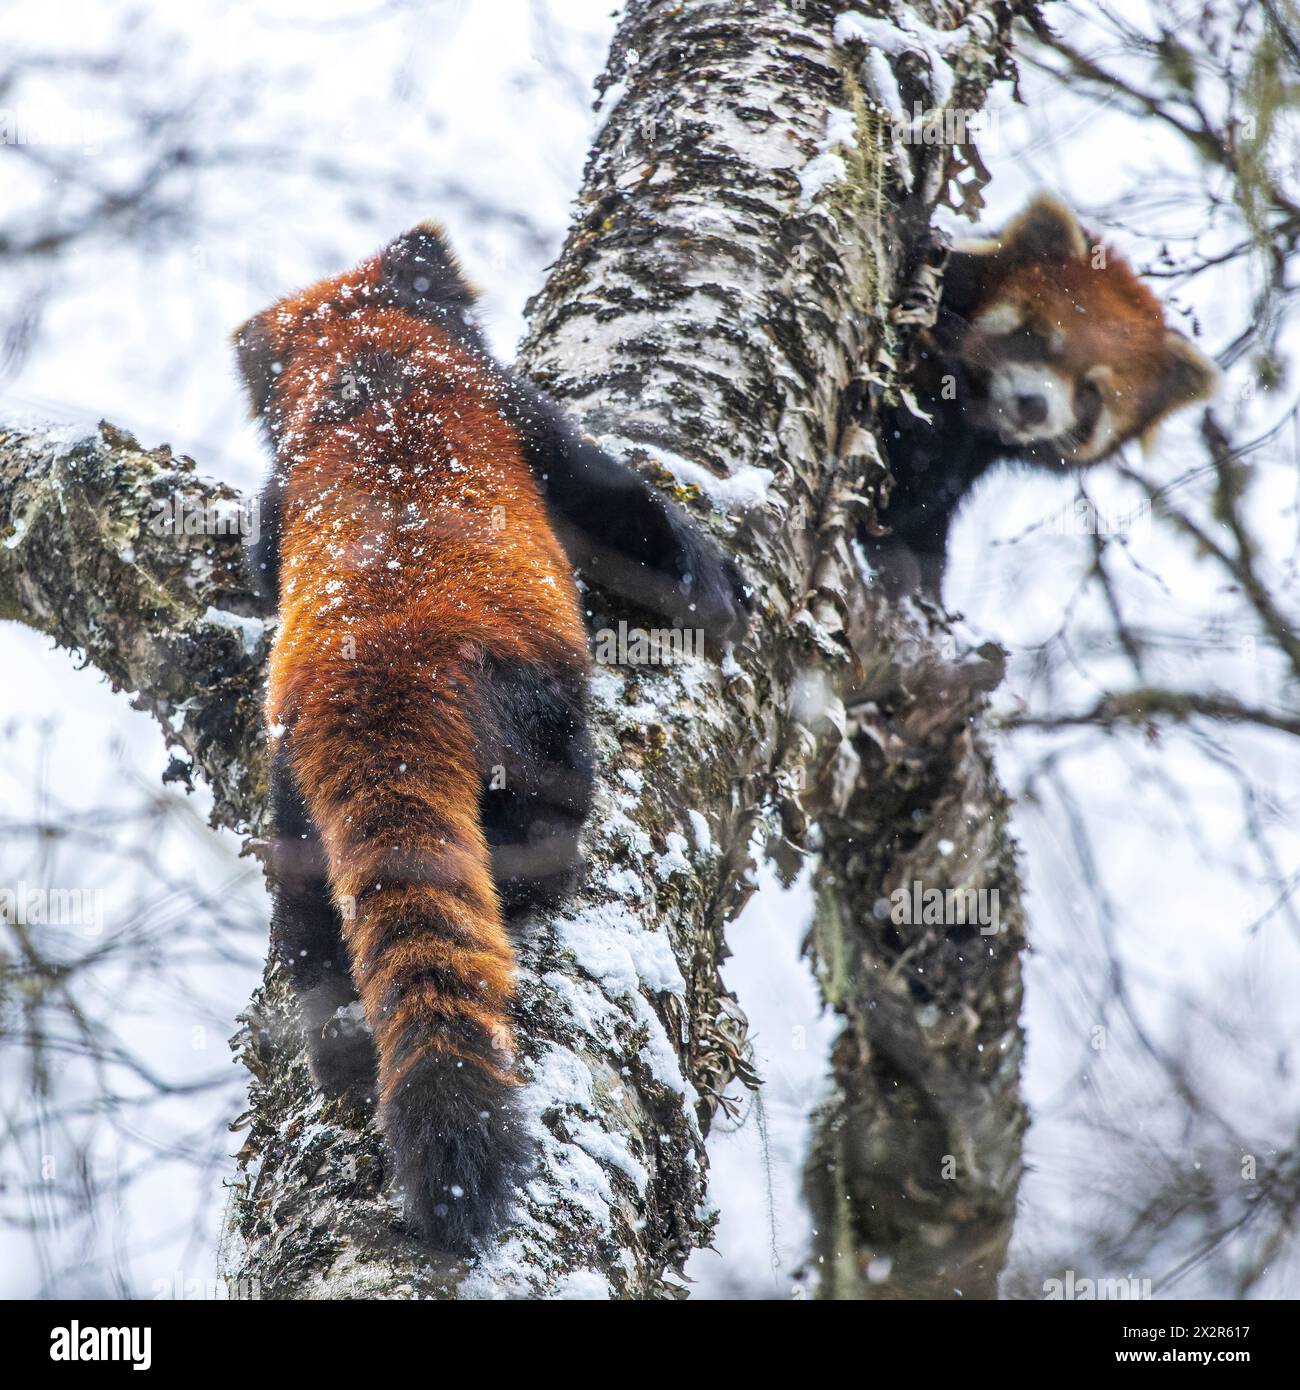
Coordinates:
622 532
306 936
537 775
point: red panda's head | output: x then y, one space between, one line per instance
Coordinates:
1064 352
298 351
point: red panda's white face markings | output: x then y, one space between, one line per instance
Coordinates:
1063 365
1025 396
1065 352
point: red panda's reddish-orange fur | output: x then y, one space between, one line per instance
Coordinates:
1108 316
414 543
479 571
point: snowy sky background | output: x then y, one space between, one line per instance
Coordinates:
332 127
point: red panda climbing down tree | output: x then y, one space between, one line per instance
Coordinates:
1047 350
431 767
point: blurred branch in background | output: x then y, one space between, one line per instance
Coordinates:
1155 721
127 936
240 154
1224 78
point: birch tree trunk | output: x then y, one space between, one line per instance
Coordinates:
727 310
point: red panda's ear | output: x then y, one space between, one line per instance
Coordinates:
1047 230
422 276
259 362
1189 376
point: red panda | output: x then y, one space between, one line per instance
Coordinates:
431 765
1049 350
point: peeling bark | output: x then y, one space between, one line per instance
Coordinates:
917 1154
727 311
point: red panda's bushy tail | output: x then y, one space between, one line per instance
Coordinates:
387 768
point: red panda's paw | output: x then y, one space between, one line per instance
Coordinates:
711 591
341 1057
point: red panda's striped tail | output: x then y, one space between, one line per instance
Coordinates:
410 871
433 967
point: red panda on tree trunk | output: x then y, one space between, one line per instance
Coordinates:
431 766
1047 350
